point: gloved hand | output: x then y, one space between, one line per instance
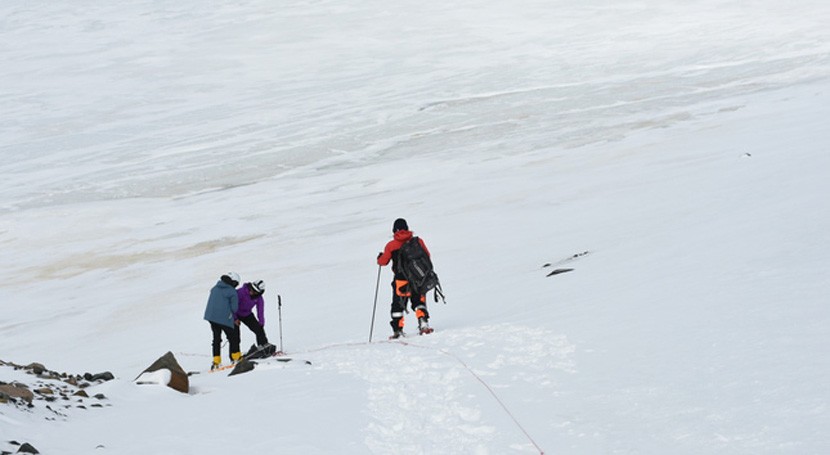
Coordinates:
380 254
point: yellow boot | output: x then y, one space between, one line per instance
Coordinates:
217 360
236 356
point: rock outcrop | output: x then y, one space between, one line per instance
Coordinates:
178 377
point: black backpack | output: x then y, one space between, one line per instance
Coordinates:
261 352
415 265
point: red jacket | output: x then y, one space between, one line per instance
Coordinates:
390 252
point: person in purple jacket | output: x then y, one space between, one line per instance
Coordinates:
250 296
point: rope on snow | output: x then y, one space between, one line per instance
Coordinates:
489 389
462 363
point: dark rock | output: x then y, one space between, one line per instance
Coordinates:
27 448
243 366
36 368
105 376
100 396
81 393
558 271
178 377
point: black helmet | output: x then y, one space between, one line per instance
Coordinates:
400 225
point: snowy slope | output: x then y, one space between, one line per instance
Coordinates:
683 149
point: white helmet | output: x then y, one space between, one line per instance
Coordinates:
258 286
233 276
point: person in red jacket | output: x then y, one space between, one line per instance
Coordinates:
400 291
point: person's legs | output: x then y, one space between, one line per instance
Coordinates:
419 305
216 345
399 297
251 322
233 339
236 334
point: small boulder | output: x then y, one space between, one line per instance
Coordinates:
105 376
36 368
243 366
13 391
27 448
178 377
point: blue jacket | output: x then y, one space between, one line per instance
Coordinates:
222 304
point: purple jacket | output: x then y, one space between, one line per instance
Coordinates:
247 303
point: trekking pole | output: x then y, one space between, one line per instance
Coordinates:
374 306
279 310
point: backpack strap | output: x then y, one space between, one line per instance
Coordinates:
439 291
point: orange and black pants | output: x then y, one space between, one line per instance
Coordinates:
400 296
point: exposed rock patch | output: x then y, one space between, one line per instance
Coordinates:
49 386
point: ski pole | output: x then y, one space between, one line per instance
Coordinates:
374 306
279 310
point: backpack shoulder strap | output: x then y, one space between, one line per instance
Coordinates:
438 291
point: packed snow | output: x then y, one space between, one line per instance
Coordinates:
674 155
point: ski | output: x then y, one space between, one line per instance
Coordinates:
221 368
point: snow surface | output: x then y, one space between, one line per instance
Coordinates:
149 147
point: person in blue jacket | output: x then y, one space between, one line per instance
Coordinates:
222 305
